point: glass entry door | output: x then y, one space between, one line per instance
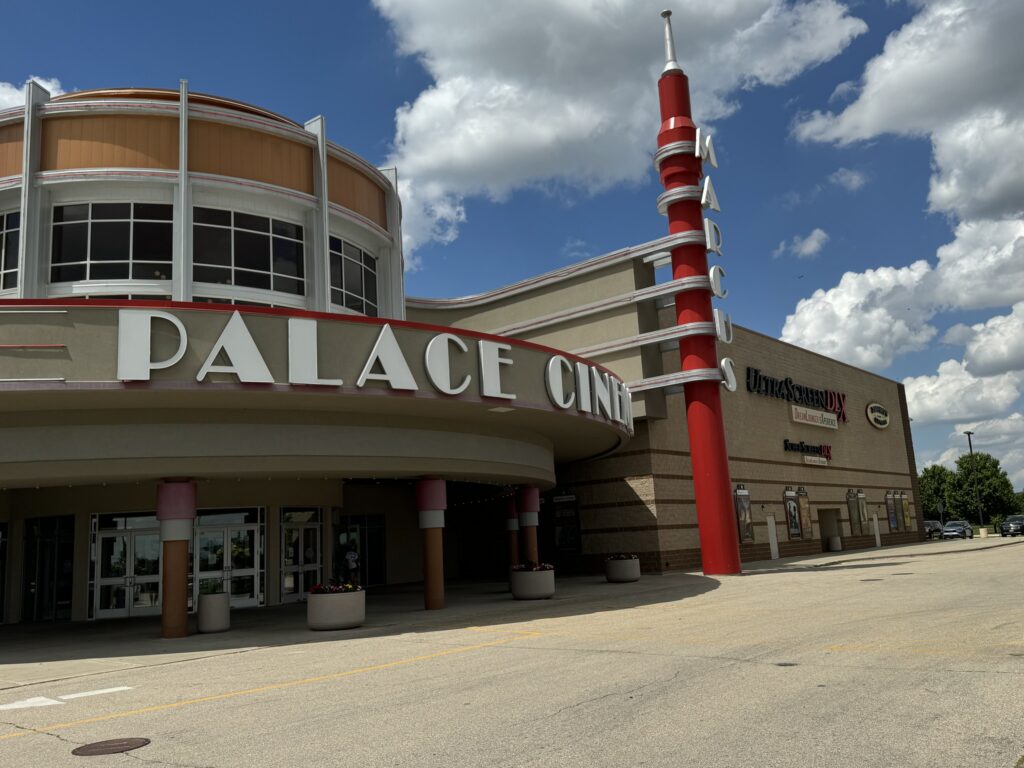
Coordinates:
227 560
128 574
300 560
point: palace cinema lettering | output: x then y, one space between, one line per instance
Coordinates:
785 389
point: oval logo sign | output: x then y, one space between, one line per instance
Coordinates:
878 415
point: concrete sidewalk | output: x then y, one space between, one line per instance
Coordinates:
919 549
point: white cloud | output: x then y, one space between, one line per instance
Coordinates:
954 58
803 247
867 319
848 179
561 94
575 249
993 347
1003 438
845 90
954 393
951 75
13 95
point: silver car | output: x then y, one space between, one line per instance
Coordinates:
957 529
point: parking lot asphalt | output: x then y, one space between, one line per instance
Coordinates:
904 657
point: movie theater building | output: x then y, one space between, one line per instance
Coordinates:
210 376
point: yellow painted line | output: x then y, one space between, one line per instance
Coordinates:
264 688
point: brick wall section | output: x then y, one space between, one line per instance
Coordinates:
915 494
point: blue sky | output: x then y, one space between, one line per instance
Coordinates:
507 180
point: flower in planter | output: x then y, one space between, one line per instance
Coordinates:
623 556
530 566
334 589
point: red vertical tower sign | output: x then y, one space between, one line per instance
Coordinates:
682 152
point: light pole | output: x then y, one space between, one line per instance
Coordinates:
974 482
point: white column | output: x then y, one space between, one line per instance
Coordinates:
31 263
181 279
319 298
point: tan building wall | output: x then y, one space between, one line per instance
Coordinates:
109 141
11 138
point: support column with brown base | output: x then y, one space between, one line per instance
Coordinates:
176 510
431 502
528 506
512 526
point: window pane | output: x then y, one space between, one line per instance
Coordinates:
111 210
353 302
211 246
152 242
335 243
287 229
336 271
371 286
110 241
252 279
108 271
10 280
353 277
252 251
288 285
371 310
71 212
13 219
154 211
287 257
369 261
337 297
211 216
248 221
11 250
143 271
69 243
211 275
67 274
351 251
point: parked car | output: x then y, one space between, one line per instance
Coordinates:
932 528
957 529
1012 526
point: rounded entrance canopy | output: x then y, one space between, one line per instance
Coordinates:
120 390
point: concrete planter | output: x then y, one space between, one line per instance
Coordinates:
621 571
532 585
983 531
341 610
214 612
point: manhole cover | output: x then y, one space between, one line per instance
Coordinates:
109 747
785 664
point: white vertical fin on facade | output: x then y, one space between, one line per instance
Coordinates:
31 280
318 253
181 272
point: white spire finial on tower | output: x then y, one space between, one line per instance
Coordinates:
671 65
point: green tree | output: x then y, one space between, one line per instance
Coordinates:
980 484
934 484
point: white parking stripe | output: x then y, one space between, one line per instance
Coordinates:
37 701
83 694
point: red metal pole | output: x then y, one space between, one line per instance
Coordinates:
708 455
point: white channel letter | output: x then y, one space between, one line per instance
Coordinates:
723 326
627 407
715 275
616 398
728 369
245 360
583 400
712 237
705 149
491 361
303 364
555 380
708 198
134 343
394 368
437 360
602 392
